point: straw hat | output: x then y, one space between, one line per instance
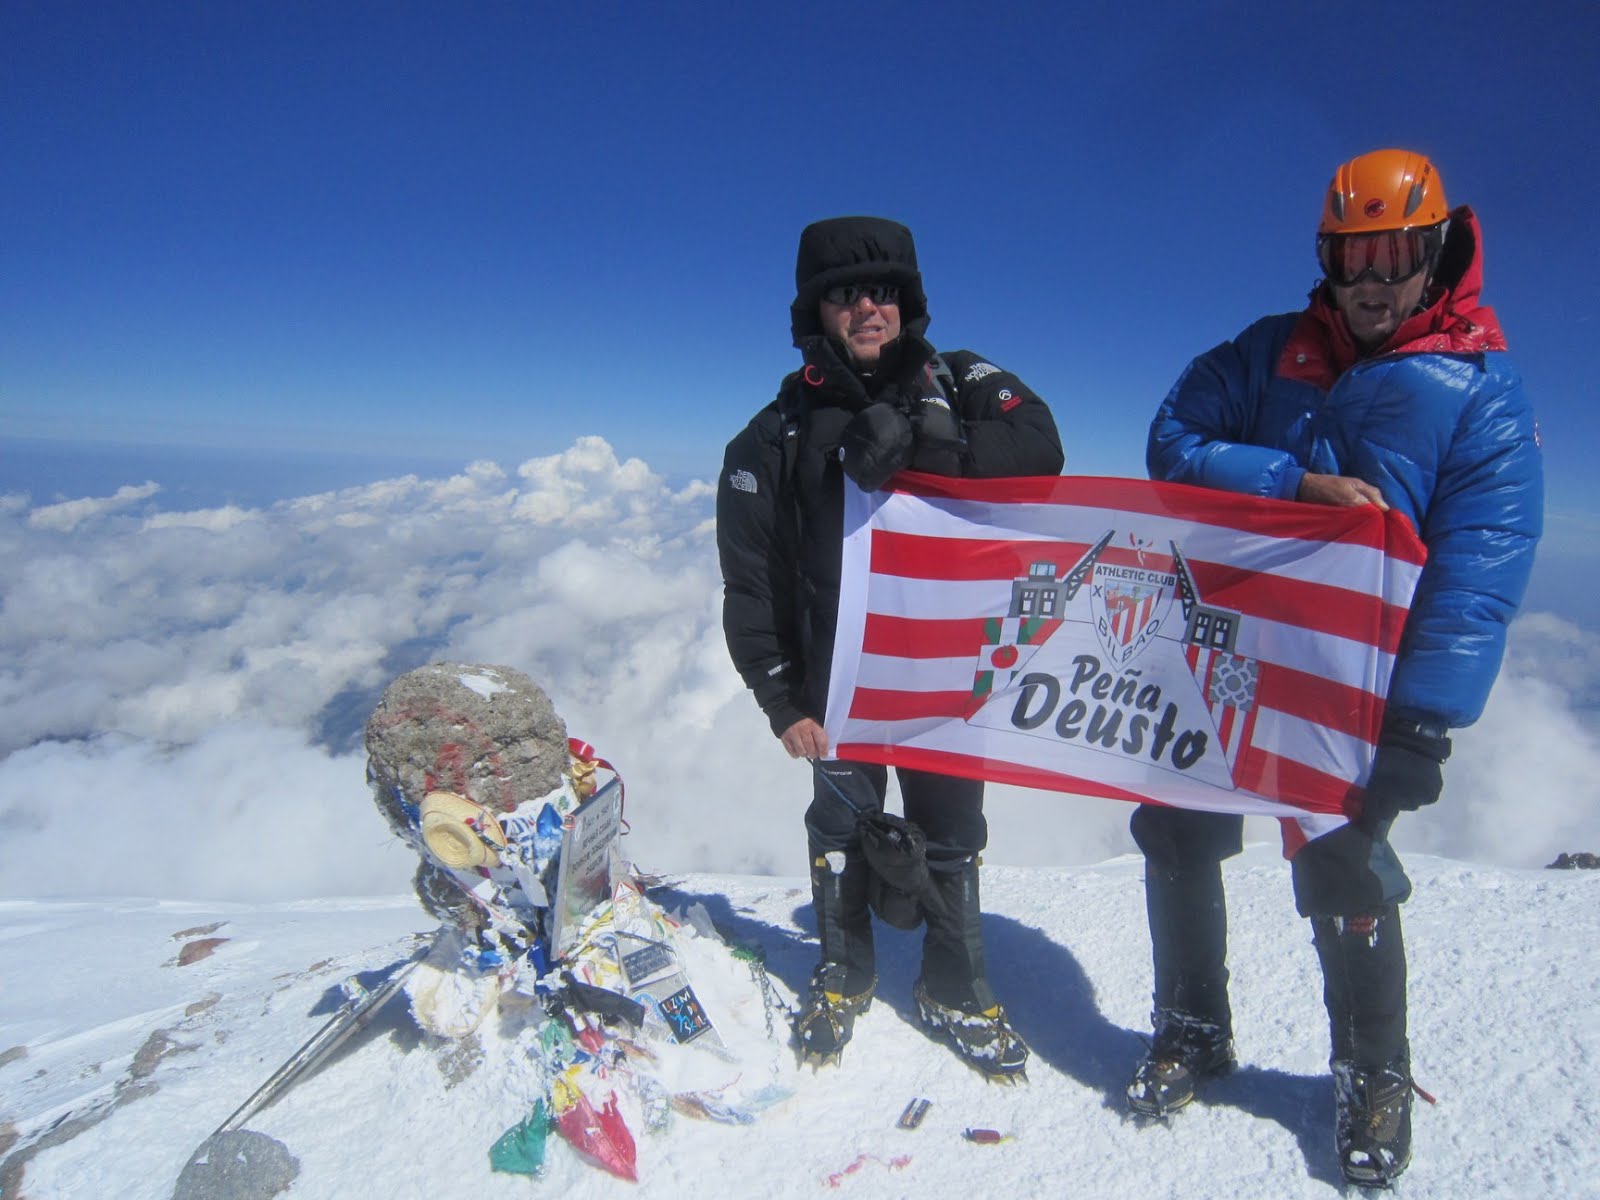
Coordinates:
458 832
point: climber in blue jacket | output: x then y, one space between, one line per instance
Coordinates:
1392 387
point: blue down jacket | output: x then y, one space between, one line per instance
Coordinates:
1436 419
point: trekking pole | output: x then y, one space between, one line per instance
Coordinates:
354 1014
816 769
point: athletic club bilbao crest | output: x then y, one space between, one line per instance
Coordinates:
1131 605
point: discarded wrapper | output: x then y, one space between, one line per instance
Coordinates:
915 1111
985 1137
581 772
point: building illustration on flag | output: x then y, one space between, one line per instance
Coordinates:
1038 602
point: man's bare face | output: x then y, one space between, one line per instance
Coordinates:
1374 310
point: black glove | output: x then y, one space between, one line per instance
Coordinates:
874 445
1406 773
938 438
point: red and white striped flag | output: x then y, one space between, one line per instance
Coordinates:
1121 638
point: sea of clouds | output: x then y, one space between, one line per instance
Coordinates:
182 692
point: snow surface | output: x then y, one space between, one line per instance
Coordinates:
485 681
96 1008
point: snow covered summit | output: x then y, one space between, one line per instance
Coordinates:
129 1030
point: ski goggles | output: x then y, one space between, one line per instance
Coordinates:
846 295
1389 256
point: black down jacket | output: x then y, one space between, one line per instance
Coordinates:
780 538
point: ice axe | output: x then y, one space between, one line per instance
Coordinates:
240 1164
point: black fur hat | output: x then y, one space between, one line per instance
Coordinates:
844 250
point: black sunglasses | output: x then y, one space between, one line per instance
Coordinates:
846 295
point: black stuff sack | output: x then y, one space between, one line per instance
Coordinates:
897 851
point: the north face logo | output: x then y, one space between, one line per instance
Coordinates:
978 370
742 481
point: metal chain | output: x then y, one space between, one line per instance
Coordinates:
757 961
758 972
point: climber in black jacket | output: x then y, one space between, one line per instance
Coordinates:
873 398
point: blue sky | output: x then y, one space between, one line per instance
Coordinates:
484 230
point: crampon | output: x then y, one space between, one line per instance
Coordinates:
825 1021
983 1040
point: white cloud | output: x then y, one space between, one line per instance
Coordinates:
1523 784
177 677
243 812
215 520
69 514
586 485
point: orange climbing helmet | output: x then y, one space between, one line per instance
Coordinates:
1384 218
1384 189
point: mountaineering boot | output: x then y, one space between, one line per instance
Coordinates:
1192 1020
1364 987
1372 1126
1184 1051
954 1001
841 986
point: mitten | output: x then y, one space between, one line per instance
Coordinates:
937 437
874 445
